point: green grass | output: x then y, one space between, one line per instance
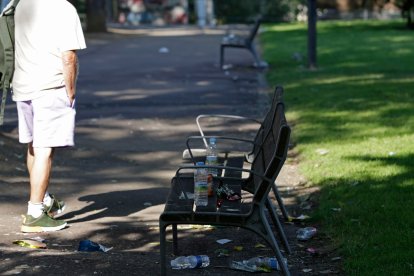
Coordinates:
359 107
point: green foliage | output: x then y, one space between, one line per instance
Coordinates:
407 10
80 5
242 11
353 123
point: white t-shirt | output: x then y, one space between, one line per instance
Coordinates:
44 29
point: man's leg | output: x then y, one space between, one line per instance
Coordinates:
39 165
51 204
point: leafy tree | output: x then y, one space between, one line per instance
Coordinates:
407 11
96 16
94 11
242 11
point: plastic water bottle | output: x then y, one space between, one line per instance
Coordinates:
267 262
212 155
304 234
184 262
200 186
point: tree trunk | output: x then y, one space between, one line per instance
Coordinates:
312 34
410 15
96 16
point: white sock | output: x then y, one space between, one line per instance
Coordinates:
47 200
35 209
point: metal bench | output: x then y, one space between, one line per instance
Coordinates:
269 159
237 158
241 42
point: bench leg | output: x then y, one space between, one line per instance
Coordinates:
221 56
278 225
280 202
258 223
175 240
252 50
279 257
163 256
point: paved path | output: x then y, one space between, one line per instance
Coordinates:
138 96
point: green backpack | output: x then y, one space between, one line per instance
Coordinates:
6 52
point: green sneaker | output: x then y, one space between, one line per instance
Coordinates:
44 223
57 207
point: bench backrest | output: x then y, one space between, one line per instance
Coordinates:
254 30
271 155
266 124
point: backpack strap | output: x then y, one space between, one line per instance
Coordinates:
8 60
8 10
3 104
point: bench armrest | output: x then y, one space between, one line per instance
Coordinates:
221 116
193 167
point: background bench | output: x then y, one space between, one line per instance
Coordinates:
237 41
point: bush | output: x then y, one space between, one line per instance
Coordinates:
244 11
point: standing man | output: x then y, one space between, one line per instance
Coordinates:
47 35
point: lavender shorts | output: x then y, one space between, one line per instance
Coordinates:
47 121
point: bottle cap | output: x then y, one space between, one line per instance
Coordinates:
274 264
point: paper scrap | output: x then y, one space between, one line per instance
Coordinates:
223 241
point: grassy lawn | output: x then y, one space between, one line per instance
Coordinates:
353 123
